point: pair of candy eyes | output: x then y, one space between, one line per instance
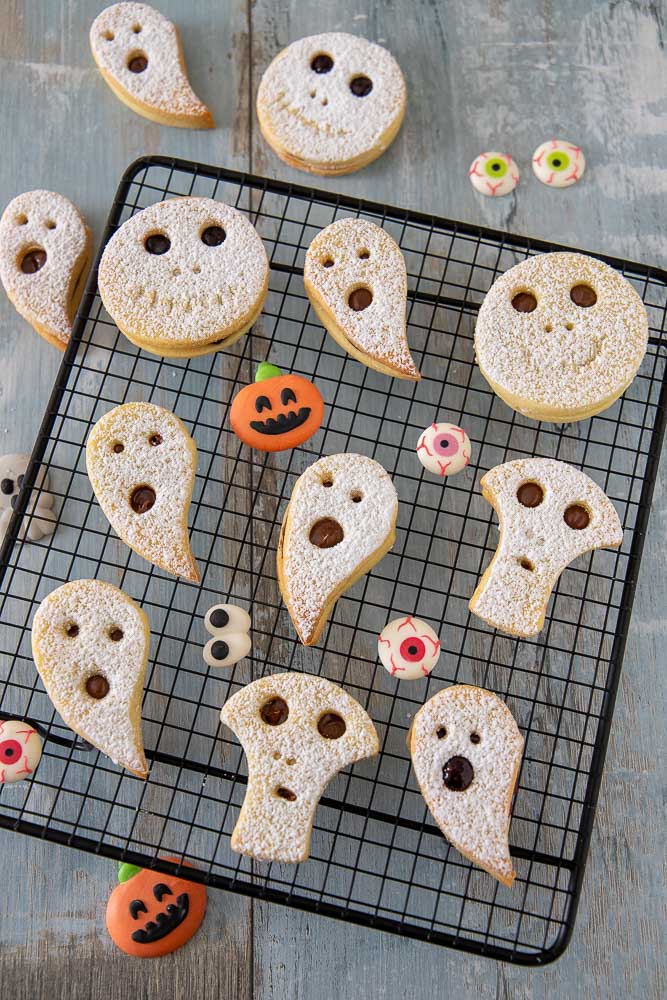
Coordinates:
154 440
7 486
113 632
582 295
159 244
359 85
275 712
363 254
138 906
264 403
475 738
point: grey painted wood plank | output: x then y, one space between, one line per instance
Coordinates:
505 74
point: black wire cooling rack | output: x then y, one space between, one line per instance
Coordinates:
377 857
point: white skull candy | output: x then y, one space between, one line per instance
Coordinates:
20 750
39 519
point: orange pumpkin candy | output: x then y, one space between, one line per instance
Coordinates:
277 411
150 913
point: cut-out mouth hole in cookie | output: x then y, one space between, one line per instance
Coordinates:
33 261
142 499
326 533
137 62
458 774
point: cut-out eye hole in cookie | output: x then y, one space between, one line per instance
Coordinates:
356 282
297 731
444 449
229 626
331 103
408 648
139 54
466 750
278 411
39 519
558 163
151 914
560 336
494 174
184 277
20 750
339 523
549 513
141 463
45 248
95 679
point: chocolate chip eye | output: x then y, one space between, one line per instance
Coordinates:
115 633
137 906
576 517
530 494
262 403
160 890
117 447
157 243
583 295
155 439
274 711
286 793
213 236
331 726
327 262
441 733
287 396
475 738
524 302
7 486
322 63
71 630
361 86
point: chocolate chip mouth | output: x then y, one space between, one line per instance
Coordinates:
283 422
164 923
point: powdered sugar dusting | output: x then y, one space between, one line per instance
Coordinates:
379 330
294 756
48 221
511 596
163 85
476 821
315 117
65 663
311 575
161 533
193 293
533 355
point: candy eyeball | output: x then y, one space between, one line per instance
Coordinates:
229 626
408 648
226 616
444 449
558 163
494 174
20 750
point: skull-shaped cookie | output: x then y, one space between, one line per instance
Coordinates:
141 463
138 52
44 258
331 103
184 277
20 750
561 336
297 731
549 513
339 523
90 646
39 519
466 749
356 282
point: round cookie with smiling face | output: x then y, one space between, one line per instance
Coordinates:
184 277
331 103
561 336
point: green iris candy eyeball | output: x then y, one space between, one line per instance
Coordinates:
558 160
495 167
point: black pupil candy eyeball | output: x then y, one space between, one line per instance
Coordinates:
220 650
361 86
157 244
219 618
322 63
213 236
413 649
10 751
445 444
7 486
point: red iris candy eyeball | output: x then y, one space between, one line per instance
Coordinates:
10 751
20 750
444 449
408 648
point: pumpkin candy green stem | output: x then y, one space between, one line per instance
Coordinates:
126 871
266 370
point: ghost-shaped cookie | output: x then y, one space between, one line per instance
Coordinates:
39 519
141 463
549 513
139 54
90 646
45 248
20 750
560 336
184 277
466 750
340 521
356 281
298 731
331 103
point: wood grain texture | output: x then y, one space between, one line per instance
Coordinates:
482 74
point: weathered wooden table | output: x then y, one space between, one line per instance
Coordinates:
500 74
